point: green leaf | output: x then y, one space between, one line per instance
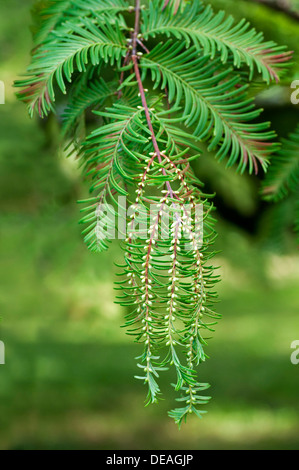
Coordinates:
51 14
70 49
86 94
216 34
214 102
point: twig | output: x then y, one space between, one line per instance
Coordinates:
142 92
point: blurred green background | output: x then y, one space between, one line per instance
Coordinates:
68 379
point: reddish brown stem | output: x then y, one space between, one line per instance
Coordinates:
142 92
143 46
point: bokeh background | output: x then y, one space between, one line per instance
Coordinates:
68 379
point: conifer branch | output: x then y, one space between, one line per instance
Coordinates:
142 146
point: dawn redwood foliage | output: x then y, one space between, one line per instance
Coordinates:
165 80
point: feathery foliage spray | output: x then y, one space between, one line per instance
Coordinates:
164 79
